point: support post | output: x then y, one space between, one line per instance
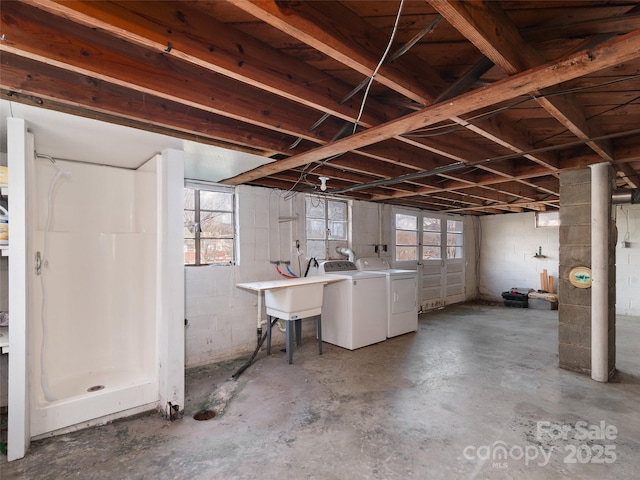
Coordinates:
600 214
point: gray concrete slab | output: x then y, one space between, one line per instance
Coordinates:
475 393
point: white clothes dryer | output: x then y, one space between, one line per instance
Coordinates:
402 294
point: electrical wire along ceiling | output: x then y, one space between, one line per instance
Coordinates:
462 107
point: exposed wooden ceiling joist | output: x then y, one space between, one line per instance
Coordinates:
490 100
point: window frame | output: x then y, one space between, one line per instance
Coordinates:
200 186
549 219
443 234
329 253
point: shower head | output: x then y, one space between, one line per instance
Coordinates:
53 162
48 157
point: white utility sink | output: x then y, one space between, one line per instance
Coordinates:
295 301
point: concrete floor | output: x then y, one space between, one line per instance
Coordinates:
434 404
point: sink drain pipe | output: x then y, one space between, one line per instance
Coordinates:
248 363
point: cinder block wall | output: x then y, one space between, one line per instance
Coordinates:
574 304
512 239
574 332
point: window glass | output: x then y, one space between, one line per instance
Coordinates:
406 222
405 254
547 219
209 225
431 224
404 237
406 246
454 238
326 224
427 237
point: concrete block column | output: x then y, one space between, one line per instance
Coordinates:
574 304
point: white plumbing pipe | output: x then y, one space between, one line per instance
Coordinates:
600 213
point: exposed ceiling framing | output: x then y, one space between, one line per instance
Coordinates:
476 108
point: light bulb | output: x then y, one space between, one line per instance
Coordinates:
323 183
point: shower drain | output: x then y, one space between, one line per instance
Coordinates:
205 415
95 388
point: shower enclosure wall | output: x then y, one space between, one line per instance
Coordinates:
104 323
93 329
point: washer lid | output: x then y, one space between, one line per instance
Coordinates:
372 263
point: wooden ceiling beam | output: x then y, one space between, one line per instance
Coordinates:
613 25
88 97
607 54
201 40
109 20
322 25
24 26
629 175
489 28
36 34
517 207
460 182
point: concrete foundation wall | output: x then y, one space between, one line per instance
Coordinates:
508 244
222 319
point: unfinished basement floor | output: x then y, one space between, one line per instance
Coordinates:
475 393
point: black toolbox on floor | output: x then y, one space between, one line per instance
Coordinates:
517 297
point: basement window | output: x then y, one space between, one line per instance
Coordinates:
209 225
547 219
327 226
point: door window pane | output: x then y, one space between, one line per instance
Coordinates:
406 222
454 239
404 254
406 242
431 253
432 239
431 224
406 238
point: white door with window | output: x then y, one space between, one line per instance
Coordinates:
434 243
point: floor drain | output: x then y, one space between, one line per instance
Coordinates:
205 415
95 388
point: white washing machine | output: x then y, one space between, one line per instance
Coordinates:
354 310
402 295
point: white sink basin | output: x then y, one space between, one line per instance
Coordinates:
295 301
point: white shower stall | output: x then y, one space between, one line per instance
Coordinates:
104 320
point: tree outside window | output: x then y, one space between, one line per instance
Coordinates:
209 226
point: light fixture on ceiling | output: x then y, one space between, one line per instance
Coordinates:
323 183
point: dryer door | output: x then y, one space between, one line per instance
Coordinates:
403 294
